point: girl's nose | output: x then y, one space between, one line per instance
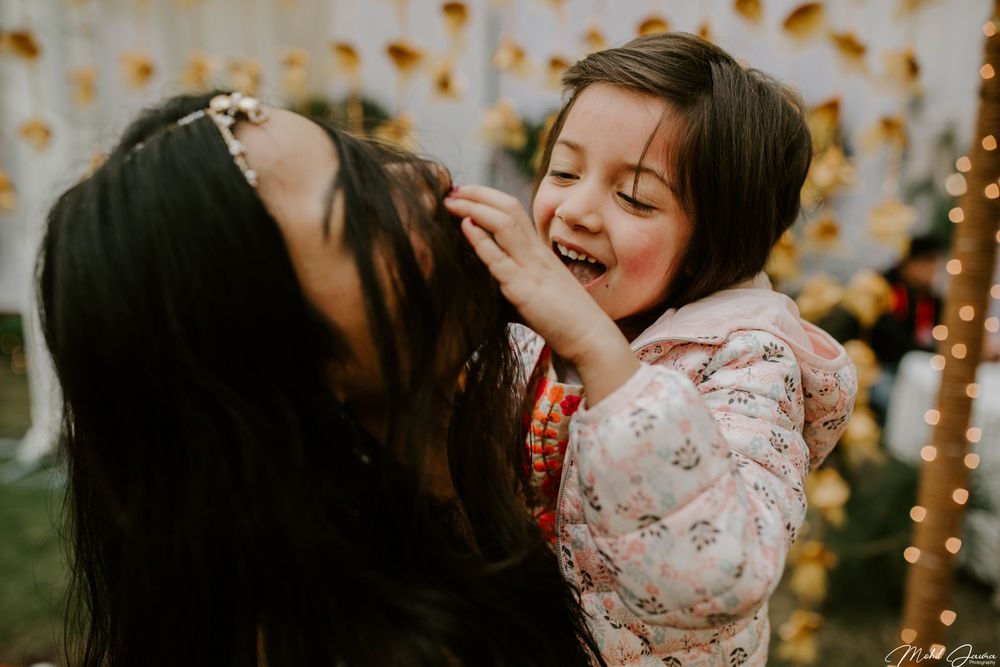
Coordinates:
580 212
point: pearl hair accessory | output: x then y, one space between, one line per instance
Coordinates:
225 110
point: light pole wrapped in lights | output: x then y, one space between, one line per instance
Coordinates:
942 492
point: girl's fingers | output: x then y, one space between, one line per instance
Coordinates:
487 195
507 231
496 260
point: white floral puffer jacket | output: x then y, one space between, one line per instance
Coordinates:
679 495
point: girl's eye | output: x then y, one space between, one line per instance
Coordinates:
635 204
562 175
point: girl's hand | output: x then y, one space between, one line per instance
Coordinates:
543 290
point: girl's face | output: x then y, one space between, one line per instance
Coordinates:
623 249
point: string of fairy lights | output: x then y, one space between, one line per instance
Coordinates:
953 347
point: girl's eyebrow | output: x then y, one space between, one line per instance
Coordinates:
572 145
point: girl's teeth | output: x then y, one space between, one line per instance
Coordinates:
591 260
572 254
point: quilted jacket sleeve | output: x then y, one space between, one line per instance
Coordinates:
694 494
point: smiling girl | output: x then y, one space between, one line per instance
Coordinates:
680 401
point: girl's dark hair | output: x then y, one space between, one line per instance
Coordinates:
223 506
740 154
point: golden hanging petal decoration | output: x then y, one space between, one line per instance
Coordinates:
865 361
8 196
829 172
398 131
808 580
805 21
749 9
244 76
197 72
827 491
861 438
511 57
137 68
502 126
783 262
866 296
890 221
798 637
824 123
96 160
21 44
84 83
456 16
594 37
37 133
446 84
295 66
850 49
558 64
902 70
346 58
705 31
652 25
405 57
905 7
823 232
819 294
887 131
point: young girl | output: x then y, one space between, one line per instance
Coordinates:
680 402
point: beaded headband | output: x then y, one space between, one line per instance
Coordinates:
225 110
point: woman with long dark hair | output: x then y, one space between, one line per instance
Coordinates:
289 408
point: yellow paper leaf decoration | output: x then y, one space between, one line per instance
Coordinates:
594 37
749 9
21 44
889 222
827 491
902 70
295 64
510 57
137 68
705 32
558 65
850 49
244 76
798 637
37 133
819 294
652 25
861 438
446 83
866 296
398 131
503 127
346 59
83 81
782 263
456 16
823 232
805 21
8 197
197 72
824 123
888 130
829 172
864 359
405 57
809 575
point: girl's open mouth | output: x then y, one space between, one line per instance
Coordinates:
584 268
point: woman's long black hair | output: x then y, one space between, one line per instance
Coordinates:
224 508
